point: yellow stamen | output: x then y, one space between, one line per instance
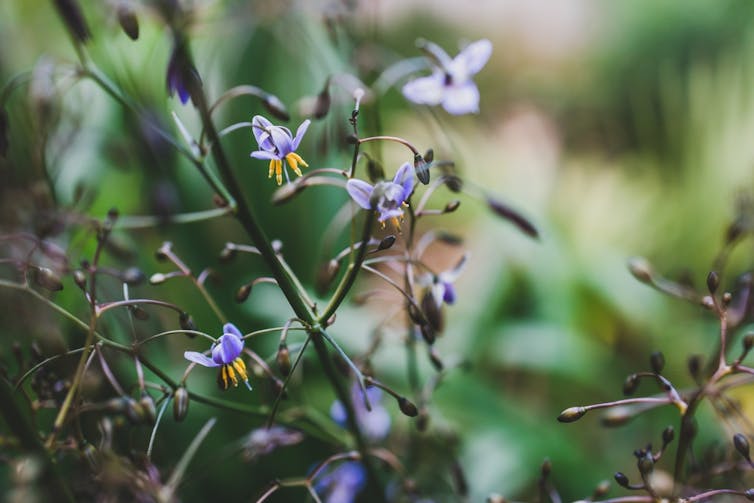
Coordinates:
232 374
294 160
279 171
240 367
222 378
272 168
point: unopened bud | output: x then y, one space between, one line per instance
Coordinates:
741 443
284 359
506 212
150 411
128 21
70 11
713 281
668 434
79 277
641 269
276 107
421 168
407 407
572 414
186 322
621 479
453 183
243 293
695 365
657 362
157 278
432 311
387 242
428 333
47 279
134 411
180 404
452 206
630 384
322 103
132 276
646 463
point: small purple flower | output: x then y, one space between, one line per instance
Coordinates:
450 84
374 423
342 484
264 440
226 354
385 197
182 78
276 143
442 284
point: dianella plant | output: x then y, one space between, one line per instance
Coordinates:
92 415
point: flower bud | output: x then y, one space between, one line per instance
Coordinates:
186 322
645 463
407 407
421 168
47 279
640 269
713 281
243 293
451 206
657 362
668 434
322 103
572 414
132 276
284 359
621 479
601 490
276 107
70 11
741 443
428 333
507 213
387 242
180 404
434 358
150 411
432 311
453 183
128 21
133 411
157 278
695 365
630 384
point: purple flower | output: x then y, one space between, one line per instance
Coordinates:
450 84
385 197
442 284
264 440
375 423
182 78
226 354
342 484
276 143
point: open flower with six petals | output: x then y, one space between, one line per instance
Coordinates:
278 144
385 197
226 354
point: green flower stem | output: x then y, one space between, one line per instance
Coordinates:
22 427
149 221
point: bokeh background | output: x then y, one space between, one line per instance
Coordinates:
619 128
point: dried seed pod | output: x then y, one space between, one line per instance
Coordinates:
630 384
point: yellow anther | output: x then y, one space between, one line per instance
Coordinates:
240 367
294 160
272 168
279 171
222 378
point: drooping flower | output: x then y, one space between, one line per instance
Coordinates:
442 284
226 354
341 484
181 76
277 144
451 84
374 423
385 197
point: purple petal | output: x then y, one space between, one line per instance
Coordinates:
199 358
474 56
300 133
338 413
361 192
227 349
425 90
281 139
260 126
262 154
461 99
230 328
405 178
449 296
375 423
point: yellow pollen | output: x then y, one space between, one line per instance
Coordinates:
272 168
294 160
222 378
240 367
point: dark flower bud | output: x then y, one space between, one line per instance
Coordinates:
572 414
621 479
434 358
70 11
139 313
645 463
713 281
128 21
181 76
243 293
630 384
352 139
695 365
428 333
180 404
276 107
748 341
452 206
133 411
132 276
186 322
4 140
322 103
657 362
641 269
387 242
228 253
407 407
47 279
741 443
421 168
79 277
375 171
432 311
284 359
147 405
507 213
668 434
449 239
453 183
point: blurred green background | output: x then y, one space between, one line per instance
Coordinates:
620 128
